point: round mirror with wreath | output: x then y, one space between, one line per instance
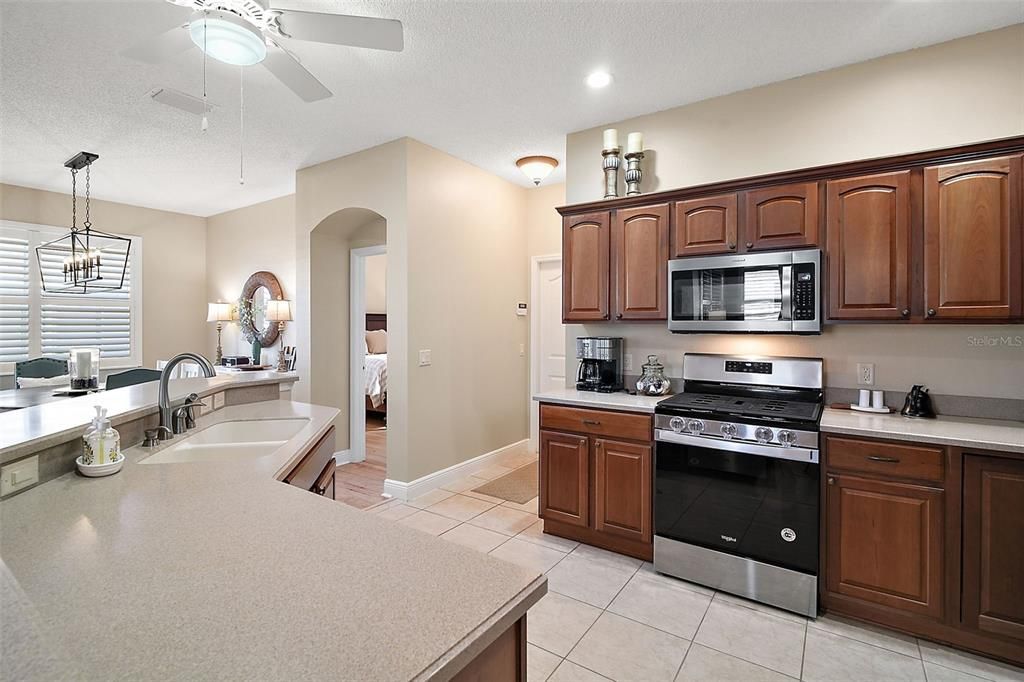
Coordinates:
260 288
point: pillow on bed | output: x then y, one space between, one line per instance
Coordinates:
377 341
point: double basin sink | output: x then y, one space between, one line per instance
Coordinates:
230 441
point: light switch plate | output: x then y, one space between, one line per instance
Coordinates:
19 475
425 358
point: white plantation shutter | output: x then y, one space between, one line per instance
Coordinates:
34 322
14 295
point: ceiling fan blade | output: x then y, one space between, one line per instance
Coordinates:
163 46
180 100
293 74
342 29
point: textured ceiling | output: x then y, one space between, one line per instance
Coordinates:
486 81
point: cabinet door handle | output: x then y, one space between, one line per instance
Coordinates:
831 480
618 316
750 245
931 312
906 312
888 460
732 245
591 422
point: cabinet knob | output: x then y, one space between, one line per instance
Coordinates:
905 312
931 312
618 316
750 245
732 246
831 480
606 316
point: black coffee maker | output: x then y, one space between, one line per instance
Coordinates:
600 364
918 403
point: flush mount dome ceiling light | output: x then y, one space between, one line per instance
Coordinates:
537 167
227 37
599 79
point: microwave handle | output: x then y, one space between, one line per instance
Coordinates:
786 274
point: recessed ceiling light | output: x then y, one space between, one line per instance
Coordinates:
599 79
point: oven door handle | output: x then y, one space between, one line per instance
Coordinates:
793 454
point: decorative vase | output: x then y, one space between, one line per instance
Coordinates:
257 349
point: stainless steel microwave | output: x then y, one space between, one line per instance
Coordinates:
769 293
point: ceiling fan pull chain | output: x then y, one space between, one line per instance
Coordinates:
205 124
241 125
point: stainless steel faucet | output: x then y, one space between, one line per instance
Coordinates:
166 416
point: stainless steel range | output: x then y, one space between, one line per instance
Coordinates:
737 476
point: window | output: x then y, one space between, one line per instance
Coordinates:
35 323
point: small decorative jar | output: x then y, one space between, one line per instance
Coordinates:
653 381
84 368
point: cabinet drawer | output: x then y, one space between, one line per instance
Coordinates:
312 464
902 461
597 422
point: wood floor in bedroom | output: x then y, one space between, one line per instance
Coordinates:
360 484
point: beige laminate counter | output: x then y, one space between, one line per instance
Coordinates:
217 570
988 434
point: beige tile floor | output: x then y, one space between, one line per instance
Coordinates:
608 616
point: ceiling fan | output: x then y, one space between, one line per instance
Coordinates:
248 32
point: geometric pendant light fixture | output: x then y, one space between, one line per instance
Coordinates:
85 260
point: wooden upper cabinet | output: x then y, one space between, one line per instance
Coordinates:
564 478
783 216
868 247
640 241
972 239
993 554
705 226
884 543
622 489
586 243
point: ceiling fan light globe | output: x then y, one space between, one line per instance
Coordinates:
227 38
536 168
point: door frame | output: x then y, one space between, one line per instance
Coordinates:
357 327
535 367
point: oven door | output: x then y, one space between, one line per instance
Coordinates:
754 501
761 292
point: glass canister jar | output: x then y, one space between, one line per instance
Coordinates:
84 368
653 381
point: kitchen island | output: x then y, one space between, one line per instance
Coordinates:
218 569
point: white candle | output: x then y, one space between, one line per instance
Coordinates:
635 143
611 138
83 362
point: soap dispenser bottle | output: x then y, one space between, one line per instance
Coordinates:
102 441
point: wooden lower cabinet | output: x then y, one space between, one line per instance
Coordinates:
885 543
503 661
993 546
595 485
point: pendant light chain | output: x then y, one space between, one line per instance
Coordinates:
74 199
88 222
241 125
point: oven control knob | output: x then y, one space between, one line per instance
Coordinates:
763 434
677 424
786 438
728 431
695 426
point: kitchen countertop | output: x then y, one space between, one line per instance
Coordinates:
990 434
218 570
601 401
33 428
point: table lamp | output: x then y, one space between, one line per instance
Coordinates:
280 311
219 313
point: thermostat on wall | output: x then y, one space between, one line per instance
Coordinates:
521 310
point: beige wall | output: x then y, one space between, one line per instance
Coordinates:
543 223
244 241
376 284
962 91
467 272
173 263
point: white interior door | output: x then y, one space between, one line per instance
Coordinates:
548 335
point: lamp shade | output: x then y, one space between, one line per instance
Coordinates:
279 310
537 167
218 312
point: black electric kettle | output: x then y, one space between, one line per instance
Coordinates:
918 403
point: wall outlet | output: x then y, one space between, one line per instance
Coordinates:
627 362
425 358
865 374
21 474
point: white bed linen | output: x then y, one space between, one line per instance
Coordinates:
376 377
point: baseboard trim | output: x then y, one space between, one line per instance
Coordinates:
343 456
401 490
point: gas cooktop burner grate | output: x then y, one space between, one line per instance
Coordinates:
739 406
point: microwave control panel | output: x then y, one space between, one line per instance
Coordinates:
804 303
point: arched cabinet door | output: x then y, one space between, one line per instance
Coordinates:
783 216
868 220
640 243
705 226
586 243
972 239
